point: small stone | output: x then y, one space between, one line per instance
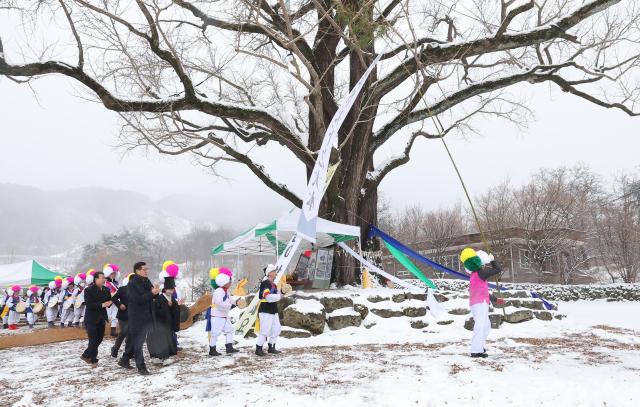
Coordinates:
459 311
512 303
336 322
294 333
518 316
333 303
398 297
543 315
419 324
362 310
416 296
377 298
496 320
532 304
413 312
386 313
515 294
445 322
469 323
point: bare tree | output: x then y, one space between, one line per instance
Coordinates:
409 224
572 260
125 249
497 212
215 79
550 208
553 210
194 249
386 217
618 230
440 228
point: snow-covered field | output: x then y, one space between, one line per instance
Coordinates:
591 358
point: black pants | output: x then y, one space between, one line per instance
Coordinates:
135 342
95 332
124 331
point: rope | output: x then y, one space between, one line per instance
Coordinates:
485 242
441 134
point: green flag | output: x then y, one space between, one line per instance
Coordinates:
409 265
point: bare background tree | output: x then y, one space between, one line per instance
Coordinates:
216 79
570 221
551 208
439 228
496 215
194 250
617 224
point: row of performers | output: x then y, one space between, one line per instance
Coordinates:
62 300
267 325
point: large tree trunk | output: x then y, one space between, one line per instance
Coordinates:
365 213
344 201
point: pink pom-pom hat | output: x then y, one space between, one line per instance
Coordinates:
173 270
224 270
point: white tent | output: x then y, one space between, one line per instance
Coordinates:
24 274
262 238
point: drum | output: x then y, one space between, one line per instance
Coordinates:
37 308
286 288
21 307
184 313
242 303
53 301
68 303
79 302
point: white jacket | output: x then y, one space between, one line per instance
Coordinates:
221 303
49 294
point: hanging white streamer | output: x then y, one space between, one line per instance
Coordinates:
435 308
317 180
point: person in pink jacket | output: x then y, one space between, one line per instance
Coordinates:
481 266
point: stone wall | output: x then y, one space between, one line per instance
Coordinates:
554 292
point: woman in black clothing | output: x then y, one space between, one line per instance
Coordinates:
166 321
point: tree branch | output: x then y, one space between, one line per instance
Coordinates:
568 87
111 102
434 53
450 101
513 14
75 34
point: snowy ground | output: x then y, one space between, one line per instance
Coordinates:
591 358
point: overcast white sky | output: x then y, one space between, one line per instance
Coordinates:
60 141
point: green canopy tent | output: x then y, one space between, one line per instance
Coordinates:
263 238
25 273
270 239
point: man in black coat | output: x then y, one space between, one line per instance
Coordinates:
97 299
121 302
140 295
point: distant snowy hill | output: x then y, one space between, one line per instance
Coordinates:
39 222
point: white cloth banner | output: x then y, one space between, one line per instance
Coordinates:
377 270
248 317
434 306
315 187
